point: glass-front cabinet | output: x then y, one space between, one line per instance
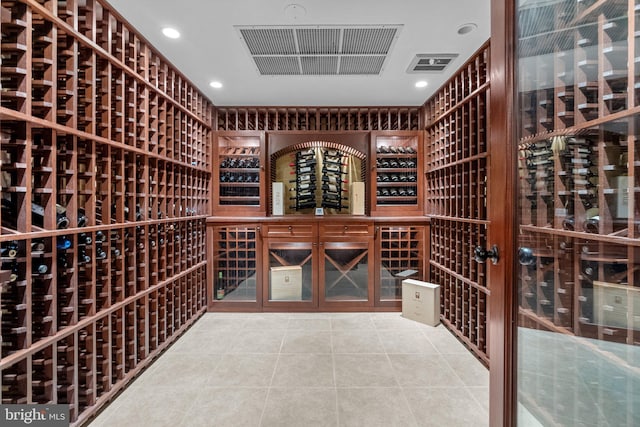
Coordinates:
579 213
239 174
396 159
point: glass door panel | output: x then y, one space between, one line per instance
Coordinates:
346 271
235 263
402 257
290 271
578 279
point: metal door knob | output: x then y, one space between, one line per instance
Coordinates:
481 254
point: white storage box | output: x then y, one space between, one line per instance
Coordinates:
421 301
286 283
277 198
357 198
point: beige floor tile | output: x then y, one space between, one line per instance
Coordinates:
450 407
209 342
211 322
157 406
248 370
393 321
227 407
309 324
349 321
423 370
373 407
470 370
304 370
266 322
363 370
357 341
300 407
180 369
481 395
306 341
405 341
257 341
444 341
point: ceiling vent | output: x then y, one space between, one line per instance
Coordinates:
431 62
319 50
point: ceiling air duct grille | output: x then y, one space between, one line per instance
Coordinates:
319 50
431 62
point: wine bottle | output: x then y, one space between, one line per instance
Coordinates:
37 216
63 243
39 267
85 239
115 252
37 246
82 218
100 237
332 188
568 223
15 272
63 262
303 163
10 249
100 253
83 257
220 286
303 170
591 223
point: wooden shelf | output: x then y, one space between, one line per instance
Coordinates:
455 169
104 204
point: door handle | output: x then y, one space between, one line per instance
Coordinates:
480 254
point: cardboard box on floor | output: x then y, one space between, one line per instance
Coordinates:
421 301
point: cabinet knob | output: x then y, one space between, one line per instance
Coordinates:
481 254
346 227
290 229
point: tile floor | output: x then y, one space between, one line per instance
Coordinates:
307 369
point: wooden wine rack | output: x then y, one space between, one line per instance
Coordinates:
105 173
403 254
318 118
578 166
456 170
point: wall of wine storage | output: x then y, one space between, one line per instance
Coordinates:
105 170
318 118
456 170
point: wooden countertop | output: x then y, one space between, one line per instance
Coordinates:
318 218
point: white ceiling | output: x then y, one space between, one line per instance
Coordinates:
210 48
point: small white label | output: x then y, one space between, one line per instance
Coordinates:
561 212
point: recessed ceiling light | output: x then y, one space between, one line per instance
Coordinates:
172 33
215 85
421 84
466 28
294 11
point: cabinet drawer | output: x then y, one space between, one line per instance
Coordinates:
346 230
289 230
